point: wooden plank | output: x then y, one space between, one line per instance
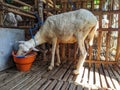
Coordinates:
44 86
107 46
36 75
91 76
59 85
19 76
118 45
90 55
65 86
99 47
59 75
22 3
79 87
109 81
38 84
113 78
52 85
17 8
20 13
102 62
79 77
66 76
21 84
51 73
72 86
85 76
30 84
116 74
102 78
7 78
14 82
97 78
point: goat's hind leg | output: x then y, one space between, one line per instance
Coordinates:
54 43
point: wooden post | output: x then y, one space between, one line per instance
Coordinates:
40 11
1 15
100 35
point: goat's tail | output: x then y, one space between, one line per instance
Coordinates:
92 34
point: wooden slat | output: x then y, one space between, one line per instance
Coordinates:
17 8
79 87
21 84
116 84
51 86
38 84
66 76
45 85
61 73
59 85
118 45
102 62
72 86
22 3
91 76
79 77
65 86
19 12
109 80
102 77
107 47
90 55
116 74
99 46
97 78
85 76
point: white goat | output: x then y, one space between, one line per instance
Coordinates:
70 27
11 20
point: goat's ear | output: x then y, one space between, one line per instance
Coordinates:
35 49
21 42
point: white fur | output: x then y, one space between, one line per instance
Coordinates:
70 27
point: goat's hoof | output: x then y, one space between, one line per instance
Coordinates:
50 68
57 64
75 72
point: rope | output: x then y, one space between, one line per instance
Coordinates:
72 4
36 26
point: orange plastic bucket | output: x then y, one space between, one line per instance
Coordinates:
24 63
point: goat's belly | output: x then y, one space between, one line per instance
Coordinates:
67 40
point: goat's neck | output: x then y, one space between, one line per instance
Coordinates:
39 38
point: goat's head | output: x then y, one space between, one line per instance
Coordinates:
10 17
25 48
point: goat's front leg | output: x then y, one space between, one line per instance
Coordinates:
82 56
58 55
54 42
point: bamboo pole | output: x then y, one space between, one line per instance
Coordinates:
22 3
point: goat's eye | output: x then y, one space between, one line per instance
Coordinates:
24 52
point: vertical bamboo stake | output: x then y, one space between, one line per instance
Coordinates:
63 45
90 47
100 35
107 47
40 11
75 52
1 15
118 45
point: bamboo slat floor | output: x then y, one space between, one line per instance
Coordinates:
61 78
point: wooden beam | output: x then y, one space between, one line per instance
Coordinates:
20 13
103 62
22 3
14 7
